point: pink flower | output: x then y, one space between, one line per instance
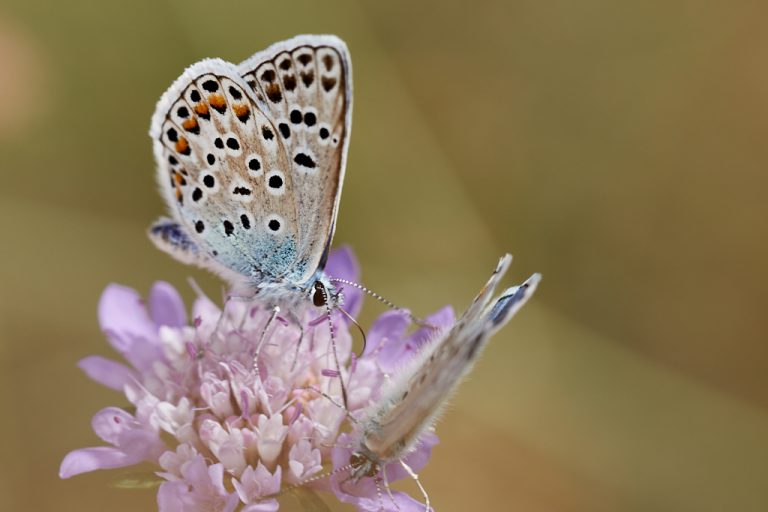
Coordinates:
222 436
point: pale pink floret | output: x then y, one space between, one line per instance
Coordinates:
235 439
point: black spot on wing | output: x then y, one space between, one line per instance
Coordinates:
289 81
304 160
307 77
328 61
274 93
268 75
242 191
234 92
328 83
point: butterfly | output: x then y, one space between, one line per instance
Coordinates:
250 161
417 393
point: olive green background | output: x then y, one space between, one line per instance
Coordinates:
616 147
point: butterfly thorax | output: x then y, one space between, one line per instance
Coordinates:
317 292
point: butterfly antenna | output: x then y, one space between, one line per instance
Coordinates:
324 475
415 477
384 301
333 346
257 354
360 328
310 480
377 482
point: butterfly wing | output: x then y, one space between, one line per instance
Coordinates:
304 84
225 174
420 390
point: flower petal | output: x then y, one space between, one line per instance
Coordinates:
123 312
388 329
171 496
416 460
110 373
342 264
91 459
442 319
124 318
166 306
143 444
263 506
205 311
109 423
399 502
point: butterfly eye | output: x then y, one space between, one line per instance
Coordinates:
365 465
320 297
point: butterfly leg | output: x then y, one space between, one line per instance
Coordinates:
298 323
227 300
264 398
415 477
387 488
335 353
330 399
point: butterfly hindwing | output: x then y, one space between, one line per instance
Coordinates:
305 85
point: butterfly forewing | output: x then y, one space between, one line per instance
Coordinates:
304 84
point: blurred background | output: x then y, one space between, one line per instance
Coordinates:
616 147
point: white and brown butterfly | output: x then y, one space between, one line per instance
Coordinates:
250 160
391 427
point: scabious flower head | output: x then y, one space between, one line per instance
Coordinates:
225 437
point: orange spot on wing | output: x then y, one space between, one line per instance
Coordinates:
178 178
217 100
201 109
189 124
241 110
182 146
